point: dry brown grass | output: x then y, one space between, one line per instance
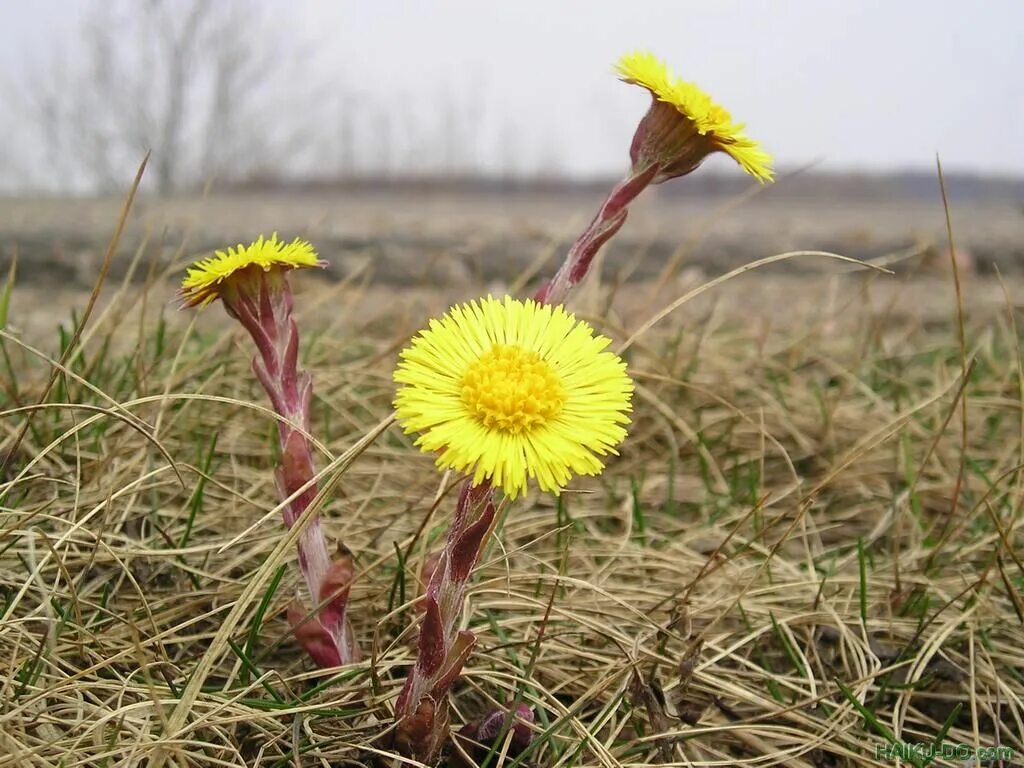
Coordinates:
796 558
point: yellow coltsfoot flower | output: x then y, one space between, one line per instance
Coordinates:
509 390
207 278
683 125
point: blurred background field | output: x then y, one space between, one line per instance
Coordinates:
445 240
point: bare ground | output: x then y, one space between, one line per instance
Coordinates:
442 239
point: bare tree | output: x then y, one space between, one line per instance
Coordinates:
225 89
188 79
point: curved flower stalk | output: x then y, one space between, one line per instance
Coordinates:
682 127
505 391
251 281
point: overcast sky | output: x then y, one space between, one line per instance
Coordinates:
869 84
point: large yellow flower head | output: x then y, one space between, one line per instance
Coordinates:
509 390
207 277
690 125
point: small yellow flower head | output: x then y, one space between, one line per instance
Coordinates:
207 277
510 389
683 125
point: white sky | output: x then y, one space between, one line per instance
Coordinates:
866 84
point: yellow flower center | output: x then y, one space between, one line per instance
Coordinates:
512 390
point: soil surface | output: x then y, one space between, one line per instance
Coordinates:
437 238
440 246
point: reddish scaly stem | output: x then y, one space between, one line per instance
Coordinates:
608 221
442 649
262 302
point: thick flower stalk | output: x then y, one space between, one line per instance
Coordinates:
504 391
251 281
682 127
442 648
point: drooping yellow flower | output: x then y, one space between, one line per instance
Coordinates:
702 126
205 278
509 390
